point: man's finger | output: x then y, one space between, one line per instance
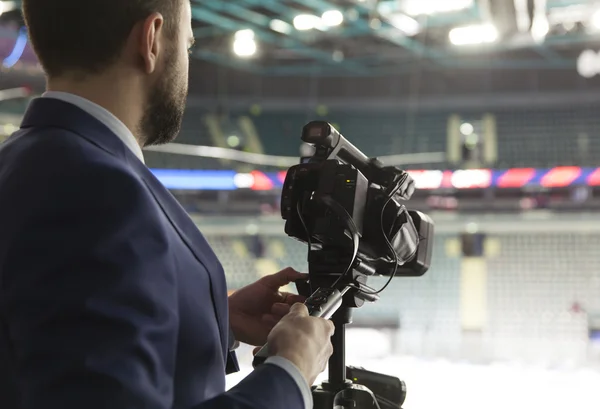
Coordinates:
291 299
331 328
270 320
280 309
284 277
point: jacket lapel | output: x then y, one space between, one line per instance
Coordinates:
197 244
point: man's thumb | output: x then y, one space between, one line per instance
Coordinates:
299 309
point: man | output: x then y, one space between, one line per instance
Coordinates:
109 296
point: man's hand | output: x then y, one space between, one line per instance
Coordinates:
304 341
255 309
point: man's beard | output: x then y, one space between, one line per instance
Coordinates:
163 115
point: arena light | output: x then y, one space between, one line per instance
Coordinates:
244 44
244 48
516 178
540 25
429 7
588 64
305 22
472 179
427 179
247 34
233 141
474 35
280 26
467 129
6 6
408 25
243 180
18 49
332 18
595 21
540 28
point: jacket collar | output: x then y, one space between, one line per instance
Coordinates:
103 115
53 113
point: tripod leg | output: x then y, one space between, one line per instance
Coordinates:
337 362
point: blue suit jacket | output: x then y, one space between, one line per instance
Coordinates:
110 298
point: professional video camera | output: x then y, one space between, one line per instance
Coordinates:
350 211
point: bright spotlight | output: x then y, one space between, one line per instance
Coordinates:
280 26
332 18
243 180
337 56
304 22
471 140
473 35
252 229
233 141
244 44
405 23
595 21
472 228
540 27
588 64
244 35
429 7
467 129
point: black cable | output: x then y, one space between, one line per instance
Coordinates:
345 216
356 243
308 238
399 184
347 219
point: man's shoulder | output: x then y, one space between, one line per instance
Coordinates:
42 161
37 146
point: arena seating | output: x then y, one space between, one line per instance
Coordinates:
374 134
238 263
539 287
549 137
193 132
541 137
428 303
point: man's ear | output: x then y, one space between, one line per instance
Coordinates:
150 43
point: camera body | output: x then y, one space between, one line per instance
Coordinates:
339 197
351 212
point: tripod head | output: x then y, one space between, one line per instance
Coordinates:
348 387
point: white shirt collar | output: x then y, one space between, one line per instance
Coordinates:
108 119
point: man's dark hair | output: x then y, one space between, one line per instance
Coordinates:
86 36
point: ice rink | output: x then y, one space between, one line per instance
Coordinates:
441 383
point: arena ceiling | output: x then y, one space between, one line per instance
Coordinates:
383 37
248 50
